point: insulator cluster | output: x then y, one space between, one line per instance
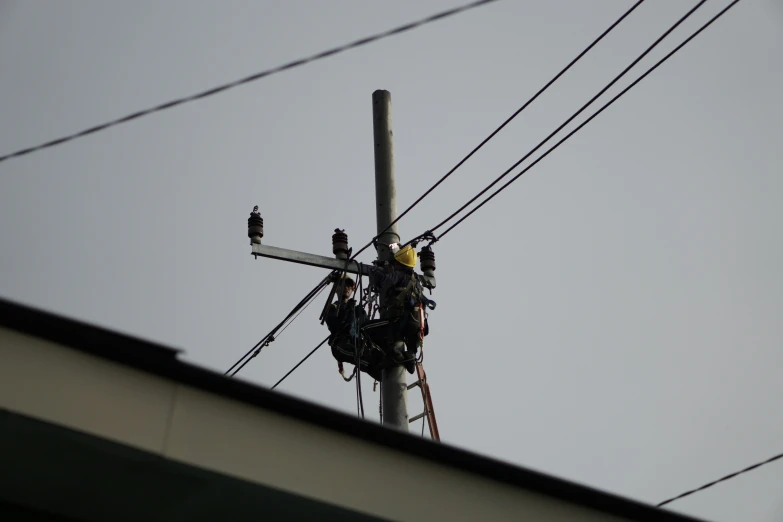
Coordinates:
255 227
427 261
340 244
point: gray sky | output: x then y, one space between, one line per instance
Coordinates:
612 318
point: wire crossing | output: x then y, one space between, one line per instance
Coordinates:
510 118
248 79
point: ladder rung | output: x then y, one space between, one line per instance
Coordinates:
417 417
413 385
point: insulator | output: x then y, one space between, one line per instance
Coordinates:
340 244
255 227
427 260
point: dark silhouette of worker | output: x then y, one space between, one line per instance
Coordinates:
345 320
340 313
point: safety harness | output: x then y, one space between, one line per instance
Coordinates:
403 299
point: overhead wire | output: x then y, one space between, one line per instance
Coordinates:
357 364
248 79
311 301
359 399
588 120
493 134
300 362
699 4
503 125
722 479
572 117
270 337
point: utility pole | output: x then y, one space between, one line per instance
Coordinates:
394 388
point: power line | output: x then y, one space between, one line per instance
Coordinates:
300 311
510 118
248 79
571 118
643 76
484 142
300 362
268 338
359 400
568 121
723 479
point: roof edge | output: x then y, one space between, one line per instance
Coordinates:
162 361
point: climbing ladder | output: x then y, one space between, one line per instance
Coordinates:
429 410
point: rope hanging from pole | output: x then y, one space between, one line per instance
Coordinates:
357 354
342 372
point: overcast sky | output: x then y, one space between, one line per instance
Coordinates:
612 318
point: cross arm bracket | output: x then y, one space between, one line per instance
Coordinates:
303 258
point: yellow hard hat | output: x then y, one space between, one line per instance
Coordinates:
406 256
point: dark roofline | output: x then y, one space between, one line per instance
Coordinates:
162 361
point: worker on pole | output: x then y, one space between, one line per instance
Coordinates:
345 319
393 339
403 306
